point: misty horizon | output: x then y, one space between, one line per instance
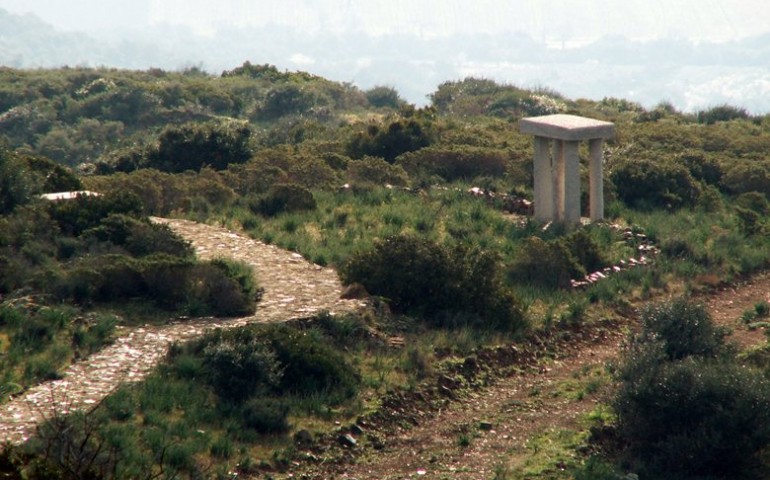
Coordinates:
718 56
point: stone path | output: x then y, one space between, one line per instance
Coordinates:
293 287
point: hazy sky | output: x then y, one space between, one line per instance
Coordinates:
417 70
553 20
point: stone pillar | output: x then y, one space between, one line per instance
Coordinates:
543 172
557 181
559 173
571 201
596 181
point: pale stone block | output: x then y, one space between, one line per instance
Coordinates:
571 183
567 127
543 172
596 181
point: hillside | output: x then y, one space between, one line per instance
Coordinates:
466 299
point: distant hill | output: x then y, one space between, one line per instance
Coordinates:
689 76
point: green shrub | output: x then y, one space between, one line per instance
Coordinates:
644 183
85 212
388 142
311 365
262 360
382 96
695 418
265 415
585 250
747 176
459 162
545 263
376 171
140 237
684 329
284 198
684 408
754 201
240 364
193 146
444 284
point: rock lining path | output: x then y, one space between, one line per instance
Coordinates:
294 288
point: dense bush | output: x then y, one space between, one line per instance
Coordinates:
139 237
284 198
455 163
382 96
240 365
684 329
276 360
545 263
15 184
744 177
399 136
376 171
218 287
646 184
193 146
684 409
87 211
419 276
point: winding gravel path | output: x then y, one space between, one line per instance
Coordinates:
293 287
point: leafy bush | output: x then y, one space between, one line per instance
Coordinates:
744 177
685 329
310 365
462 162
647 184
240 365
140 237
685 410
721 113
260 361
377 171
388 142
382 96
192 146
695 418
285 198
218 287
420 276
545 263
265 415
85 212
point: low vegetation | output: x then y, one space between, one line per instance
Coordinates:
381 191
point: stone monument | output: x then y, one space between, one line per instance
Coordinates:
557 165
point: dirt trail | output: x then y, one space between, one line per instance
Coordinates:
518 408
293 287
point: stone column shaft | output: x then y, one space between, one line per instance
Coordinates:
558 179
544 185
596 182
571 180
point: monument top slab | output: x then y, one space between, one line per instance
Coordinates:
567 127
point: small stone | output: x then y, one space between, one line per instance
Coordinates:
486 426
347 440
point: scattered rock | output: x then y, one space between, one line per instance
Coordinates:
347 440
